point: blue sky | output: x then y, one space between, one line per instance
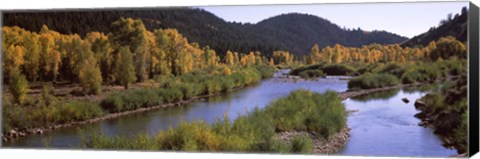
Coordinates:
406 19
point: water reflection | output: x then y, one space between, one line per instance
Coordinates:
384 95
234 104
385 126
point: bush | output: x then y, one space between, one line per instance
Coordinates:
393 69
302 144
139 142
338 69
297 71
13 115
170 95
18 87
113 103
78 111
369 80
192 136
312 74
265 71
90 77
20 117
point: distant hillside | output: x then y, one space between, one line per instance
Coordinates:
292 32
299 32
456 27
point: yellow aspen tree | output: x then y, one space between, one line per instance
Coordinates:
32 60
13 59
229 59
236 59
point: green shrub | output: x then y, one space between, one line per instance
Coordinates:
18 86
302 144
192 136
90 77
139 142
171 94
338 69
307 74
265 71
113 103
78 111
297 71
392 68
369 80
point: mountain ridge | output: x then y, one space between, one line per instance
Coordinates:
456 27
198 25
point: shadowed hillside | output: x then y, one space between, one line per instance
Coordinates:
292 32
456 27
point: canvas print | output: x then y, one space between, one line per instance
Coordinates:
360 79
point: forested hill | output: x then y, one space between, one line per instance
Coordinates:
455 26
292 32
301 31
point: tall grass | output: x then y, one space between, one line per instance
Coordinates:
20 117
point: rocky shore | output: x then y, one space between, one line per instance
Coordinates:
442 122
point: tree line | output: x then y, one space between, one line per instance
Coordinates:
292 32
128 53
376 53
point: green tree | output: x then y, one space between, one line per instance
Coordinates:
448 47
90 77
32 60
18 87
103 52
160 58
132 33
124 68
13 59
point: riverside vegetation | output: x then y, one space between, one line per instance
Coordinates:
49 110
322 114
175 70
446 110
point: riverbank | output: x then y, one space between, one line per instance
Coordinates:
320 144
337 141
39 130
13 134
435 120
302 110
445 111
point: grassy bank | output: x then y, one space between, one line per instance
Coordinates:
197 83
301 110
369 81
381 75
322 70
49 110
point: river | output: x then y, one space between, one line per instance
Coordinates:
382 126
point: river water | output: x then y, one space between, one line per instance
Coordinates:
383 125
